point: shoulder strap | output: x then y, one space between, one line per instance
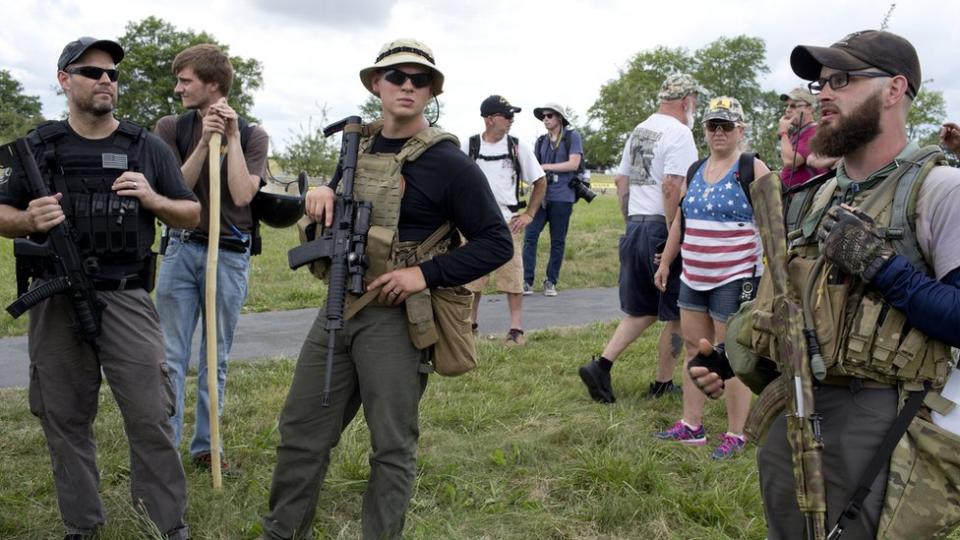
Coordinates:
512 143
419 143
538 147
903 220
184 134
694 167
474 147
691 172
246 129
49 131
128 134
745 173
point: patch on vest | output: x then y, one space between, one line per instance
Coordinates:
114 161
5 174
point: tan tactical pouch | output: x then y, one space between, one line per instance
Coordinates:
455 351
923 490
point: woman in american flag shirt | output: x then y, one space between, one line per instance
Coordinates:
722 259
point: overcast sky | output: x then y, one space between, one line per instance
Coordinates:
530 52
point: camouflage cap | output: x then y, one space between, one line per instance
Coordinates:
800 94
724 108
679 86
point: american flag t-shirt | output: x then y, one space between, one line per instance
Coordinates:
721 243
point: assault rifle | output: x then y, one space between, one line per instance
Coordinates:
344 245
786 325
59 249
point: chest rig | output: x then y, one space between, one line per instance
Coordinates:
860 335
379 179
107 226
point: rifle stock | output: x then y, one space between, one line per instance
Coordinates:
787 326
59 248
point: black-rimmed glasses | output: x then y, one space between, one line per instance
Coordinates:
842 78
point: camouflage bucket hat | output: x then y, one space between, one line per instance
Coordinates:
724 108
403 51
679 86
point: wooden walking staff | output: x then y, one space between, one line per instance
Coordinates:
210 313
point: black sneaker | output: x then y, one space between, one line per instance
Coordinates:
597 382
658 390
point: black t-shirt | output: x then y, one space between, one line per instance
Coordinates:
156 162
443 185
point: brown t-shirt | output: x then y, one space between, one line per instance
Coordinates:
255 154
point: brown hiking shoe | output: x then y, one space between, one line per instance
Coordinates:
204 461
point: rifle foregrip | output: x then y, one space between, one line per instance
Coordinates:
38 294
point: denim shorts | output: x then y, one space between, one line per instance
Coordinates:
720 302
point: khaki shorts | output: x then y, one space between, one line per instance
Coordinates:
509 276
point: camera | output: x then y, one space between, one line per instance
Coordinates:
581 189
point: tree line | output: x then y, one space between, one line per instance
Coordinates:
731 66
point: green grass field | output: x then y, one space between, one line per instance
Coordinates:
513 450
591 261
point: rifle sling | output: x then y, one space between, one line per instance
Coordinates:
428 244
882 456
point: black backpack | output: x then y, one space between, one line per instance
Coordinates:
185 123
512 154
541 140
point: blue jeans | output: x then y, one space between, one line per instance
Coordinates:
558 214
180 301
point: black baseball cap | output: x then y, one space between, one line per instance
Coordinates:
75 50
861 50
497 105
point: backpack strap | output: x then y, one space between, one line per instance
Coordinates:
745 174
184 133
691 172
902 230
474 147
512 143
538 147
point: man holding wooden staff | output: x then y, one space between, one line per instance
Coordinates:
204 77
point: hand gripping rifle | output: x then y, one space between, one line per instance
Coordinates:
59 248
787 329
343 245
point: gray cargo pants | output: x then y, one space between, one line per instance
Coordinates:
853 425
375 366
64 384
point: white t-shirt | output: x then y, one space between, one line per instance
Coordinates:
658 146
499 173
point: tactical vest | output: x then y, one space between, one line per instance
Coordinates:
860 335
113 235
379 180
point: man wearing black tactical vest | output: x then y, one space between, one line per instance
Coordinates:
105 174
204 77
376 364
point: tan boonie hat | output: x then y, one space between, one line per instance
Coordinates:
555 107
403 51
679 86
725 109
800 94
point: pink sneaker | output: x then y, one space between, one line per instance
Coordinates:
729 445
684 435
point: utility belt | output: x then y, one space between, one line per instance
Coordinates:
113 277
228 243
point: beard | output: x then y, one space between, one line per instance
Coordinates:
849 134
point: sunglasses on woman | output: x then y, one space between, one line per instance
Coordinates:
727 127
419 80
93 72
548 115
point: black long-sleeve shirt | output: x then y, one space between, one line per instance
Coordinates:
444 185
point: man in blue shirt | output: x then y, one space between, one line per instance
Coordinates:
559 152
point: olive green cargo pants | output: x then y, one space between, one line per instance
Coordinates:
375 366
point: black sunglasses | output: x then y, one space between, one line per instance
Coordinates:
419 80
548 115
841 78
712 126
506 116
93 72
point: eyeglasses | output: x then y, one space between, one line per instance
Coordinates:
419 80
726 127
93 72
547 115
842 78
506 116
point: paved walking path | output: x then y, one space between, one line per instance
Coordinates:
280 333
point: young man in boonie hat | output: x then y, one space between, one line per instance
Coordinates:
403 163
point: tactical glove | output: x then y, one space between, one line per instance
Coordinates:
716 362
849 239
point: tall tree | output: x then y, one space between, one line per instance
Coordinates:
926 116
146 78
18 112
727 66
